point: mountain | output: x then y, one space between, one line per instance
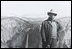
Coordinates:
22 32
10 26
14 32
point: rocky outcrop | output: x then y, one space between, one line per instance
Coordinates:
13 31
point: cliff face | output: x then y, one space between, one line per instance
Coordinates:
13 29
14 33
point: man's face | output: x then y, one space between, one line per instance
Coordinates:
53 17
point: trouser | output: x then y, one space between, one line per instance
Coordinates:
46 44
52 43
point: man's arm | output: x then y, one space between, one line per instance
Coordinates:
59 30
59 27
43 32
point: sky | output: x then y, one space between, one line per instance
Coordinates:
35 8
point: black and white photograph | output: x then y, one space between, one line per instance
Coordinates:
35 24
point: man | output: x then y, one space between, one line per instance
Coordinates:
49 31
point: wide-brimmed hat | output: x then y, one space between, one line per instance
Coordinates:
52 13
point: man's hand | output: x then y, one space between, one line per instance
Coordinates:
44 44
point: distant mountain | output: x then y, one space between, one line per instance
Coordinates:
63 20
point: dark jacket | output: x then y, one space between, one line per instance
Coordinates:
46 29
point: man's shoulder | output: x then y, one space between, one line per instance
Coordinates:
49 21
55 21
44 22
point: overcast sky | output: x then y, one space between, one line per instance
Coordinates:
22 8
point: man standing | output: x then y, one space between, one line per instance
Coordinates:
49 31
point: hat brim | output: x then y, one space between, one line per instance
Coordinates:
49 13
